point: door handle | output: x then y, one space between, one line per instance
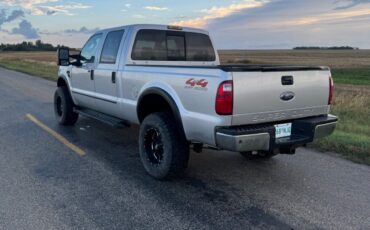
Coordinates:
91 74
114 77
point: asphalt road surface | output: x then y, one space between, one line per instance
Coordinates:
46 185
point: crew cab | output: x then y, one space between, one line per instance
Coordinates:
169 80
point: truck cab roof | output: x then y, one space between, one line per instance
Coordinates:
137 27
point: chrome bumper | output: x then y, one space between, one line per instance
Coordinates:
324 130
262 138
243 143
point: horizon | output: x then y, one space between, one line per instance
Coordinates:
234 25
328 48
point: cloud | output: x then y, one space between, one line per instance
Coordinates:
155 8
346 4
221 12
139 16
289 23
82 30
62 9
40 7
29 5
127 6
327 18
26 29
14 15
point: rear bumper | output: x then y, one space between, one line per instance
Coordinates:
262 137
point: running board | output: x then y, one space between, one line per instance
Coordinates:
113 121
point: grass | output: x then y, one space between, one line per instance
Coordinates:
350 70
354 76
41 69
352 136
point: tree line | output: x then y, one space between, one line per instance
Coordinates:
325 48
29 46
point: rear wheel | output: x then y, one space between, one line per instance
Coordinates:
164 151
258 155
63 107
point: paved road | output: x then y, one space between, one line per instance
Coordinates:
45 185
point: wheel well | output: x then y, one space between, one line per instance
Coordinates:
156 100
152 103
61 82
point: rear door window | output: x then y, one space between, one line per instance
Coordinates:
111 47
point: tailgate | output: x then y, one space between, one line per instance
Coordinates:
269 96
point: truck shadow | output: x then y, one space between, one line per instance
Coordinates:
119 148
217 182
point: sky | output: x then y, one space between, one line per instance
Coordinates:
233 24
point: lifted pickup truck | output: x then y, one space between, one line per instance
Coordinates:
169 80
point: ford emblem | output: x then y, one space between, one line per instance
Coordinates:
287 96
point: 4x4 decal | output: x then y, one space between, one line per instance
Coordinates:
194 83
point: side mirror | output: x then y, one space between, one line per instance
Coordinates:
63 56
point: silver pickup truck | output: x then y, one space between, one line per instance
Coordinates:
169 80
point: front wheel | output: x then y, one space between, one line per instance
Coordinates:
63 107
164 150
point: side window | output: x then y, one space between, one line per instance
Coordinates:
89 50
176 48
199 47
150 45
111 46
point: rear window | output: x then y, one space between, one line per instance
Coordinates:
161 45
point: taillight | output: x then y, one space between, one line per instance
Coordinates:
331 90
225 98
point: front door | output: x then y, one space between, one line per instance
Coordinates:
82 77
106 75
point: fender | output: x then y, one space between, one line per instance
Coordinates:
61 78
169 100
64 73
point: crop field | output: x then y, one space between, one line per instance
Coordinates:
350 70
333 58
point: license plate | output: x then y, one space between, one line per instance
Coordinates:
283 130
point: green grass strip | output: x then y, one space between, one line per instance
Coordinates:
38 69
353 76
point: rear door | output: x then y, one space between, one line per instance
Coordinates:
82 77
107 75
